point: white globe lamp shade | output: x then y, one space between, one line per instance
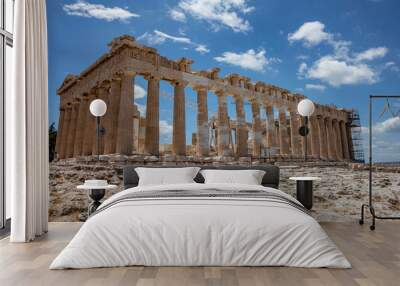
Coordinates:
306 107
98 107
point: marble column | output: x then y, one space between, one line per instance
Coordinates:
111 125
89 138
256 128
241 132
80 127
60 130
102 93
152 136
283 138
223 125
314 134
72 130
271 132
345 144
338 137
203 144
179 131
330 135
323 145
124 142
294 133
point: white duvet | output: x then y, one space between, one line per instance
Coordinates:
203 232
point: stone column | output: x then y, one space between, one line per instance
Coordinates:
152 136
65 132
331 140
294 133
179 134
256 127
203 144
349 141
102 93
223 125
345 144
241 132
111 125
89 138
60 129
339 149
283 138
124 142
314 134
271 133
80 126
323 145
72 130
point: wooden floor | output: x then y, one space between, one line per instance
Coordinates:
375 257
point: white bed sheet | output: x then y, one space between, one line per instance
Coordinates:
200 232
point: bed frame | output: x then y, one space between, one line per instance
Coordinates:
270 179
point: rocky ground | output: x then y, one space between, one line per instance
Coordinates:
337 197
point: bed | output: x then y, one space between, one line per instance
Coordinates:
197 224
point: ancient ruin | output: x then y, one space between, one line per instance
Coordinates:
111 78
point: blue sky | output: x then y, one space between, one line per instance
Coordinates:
335 52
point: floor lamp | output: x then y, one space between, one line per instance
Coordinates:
98 108
305 108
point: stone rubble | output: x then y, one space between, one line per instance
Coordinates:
337 197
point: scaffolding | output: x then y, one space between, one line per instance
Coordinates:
357 149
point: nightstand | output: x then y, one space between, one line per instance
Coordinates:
304 190
96 193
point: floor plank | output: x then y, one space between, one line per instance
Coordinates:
375 257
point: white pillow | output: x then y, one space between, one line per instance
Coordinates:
166 176
247 177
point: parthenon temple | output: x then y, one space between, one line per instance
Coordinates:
112 76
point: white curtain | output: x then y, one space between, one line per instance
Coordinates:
27 164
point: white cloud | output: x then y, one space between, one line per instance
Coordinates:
139 92
392 66
165 128
341 67
390 125
311 33
339 72
302 57
371 54
177 15
158 37
389 64
141 108
85 9
251 59
302 70
151 39
318 87
202 49
165 36
219 13
182 31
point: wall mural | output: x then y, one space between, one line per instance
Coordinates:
178 99
111 78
